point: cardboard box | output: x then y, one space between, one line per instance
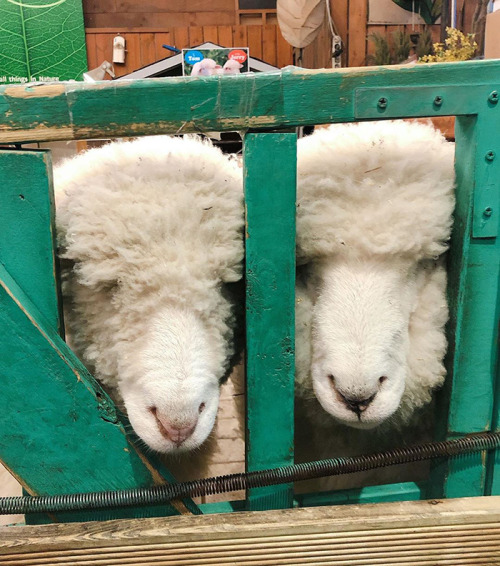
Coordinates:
492 36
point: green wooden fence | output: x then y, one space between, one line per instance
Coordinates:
59 432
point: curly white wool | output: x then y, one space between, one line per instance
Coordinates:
153 228
375 201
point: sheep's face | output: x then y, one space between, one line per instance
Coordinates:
171 389
360 340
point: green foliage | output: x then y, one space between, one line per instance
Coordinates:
41 39
424 44
456 47
401 46
390 53
382 50
430 10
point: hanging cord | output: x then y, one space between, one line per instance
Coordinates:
163 494
333 31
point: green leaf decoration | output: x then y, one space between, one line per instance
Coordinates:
41 40
430 10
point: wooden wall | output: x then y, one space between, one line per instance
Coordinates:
144 46
184 23
158 13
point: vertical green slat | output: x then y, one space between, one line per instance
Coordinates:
59 432
27 227
473 295
270 192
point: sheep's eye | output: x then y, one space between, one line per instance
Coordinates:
201 407
382 379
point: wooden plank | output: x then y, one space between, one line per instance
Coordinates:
284 51
210 33
240 38
121 20
270 179
172 6
104 50
255 41
195 36
132 55
428 533
91 50
358 15
160 39
181 36
473 274
154 106
340 16
99 6
27 237
147 49
225 34
269 53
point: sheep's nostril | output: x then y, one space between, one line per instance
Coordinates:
175 432
356 405
201 408
382 379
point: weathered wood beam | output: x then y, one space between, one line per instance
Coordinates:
270 178
60 111
60 431
27 235
451 532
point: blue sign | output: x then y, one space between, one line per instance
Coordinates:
193 56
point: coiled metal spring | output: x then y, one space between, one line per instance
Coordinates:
163 494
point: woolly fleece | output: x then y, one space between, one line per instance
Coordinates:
375 201
153 228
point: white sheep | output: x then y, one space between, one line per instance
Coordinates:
153 228
231 67
205 68
375 201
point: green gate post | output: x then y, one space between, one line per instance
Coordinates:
27 239
270 172
59 432
473 273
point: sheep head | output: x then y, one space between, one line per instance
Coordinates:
170 386
361 338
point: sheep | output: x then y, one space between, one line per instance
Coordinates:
231 67
374 216
150 232
205 68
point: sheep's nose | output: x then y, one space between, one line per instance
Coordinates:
175 432
357 405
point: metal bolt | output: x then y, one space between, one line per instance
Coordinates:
490 156
493 97
382 102
438 100
488 211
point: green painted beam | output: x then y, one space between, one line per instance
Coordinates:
408 491
473 275
270 176
60 432
27 239
224 103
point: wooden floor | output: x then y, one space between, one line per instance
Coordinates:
423 533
